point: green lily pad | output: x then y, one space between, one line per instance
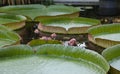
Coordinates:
33 11
51 59
15 50
8 37
38 42
112 55
105 35
12 21
66 25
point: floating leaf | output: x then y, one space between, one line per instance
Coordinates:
51 59
105 35
73 53
33 11
12 21
66 25
15 50
38 42
8 37
112 55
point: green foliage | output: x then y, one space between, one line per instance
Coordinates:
12 21
16 50
66 20
38 10
38 42
7 36
111 52
112 55
66 25
104 29
51 51
12 17
73 52
105 35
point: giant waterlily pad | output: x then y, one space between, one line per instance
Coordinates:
33 11
66 25
112 55
37 42
105 35
8 37
12 21
51 59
